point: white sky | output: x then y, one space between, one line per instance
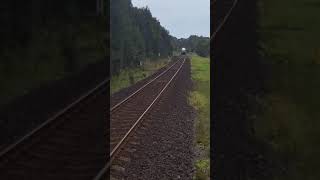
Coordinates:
181 18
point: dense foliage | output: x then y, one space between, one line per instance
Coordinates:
135 36
63 24
42 41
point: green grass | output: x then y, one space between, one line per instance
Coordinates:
290 30
203 168
122 80
200 99
289 123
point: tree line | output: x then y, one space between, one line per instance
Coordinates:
197 44
43 41
51 31
135 35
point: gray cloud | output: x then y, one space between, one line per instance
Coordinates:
181 18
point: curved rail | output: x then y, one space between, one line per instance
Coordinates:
138 121
53 118
224 20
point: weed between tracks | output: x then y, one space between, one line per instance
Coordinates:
123 80
199 98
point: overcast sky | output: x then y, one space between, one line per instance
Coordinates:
181 18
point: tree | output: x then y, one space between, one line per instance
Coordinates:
135 35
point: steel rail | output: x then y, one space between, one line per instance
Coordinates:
53 118
139 120
141 88
224 20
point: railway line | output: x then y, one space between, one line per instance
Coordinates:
237 66
225 9
127 115
72 144
69 145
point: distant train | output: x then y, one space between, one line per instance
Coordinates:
183 51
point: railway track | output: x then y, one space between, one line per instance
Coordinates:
127 115
226 7
70 145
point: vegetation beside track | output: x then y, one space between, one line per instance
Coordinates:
200 100
130 76
289 123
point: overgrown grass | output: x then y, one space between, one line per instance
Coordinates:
290 121
123 79
200 99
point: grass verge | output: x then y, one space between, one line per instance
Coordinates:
123 80
199 98
289 123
